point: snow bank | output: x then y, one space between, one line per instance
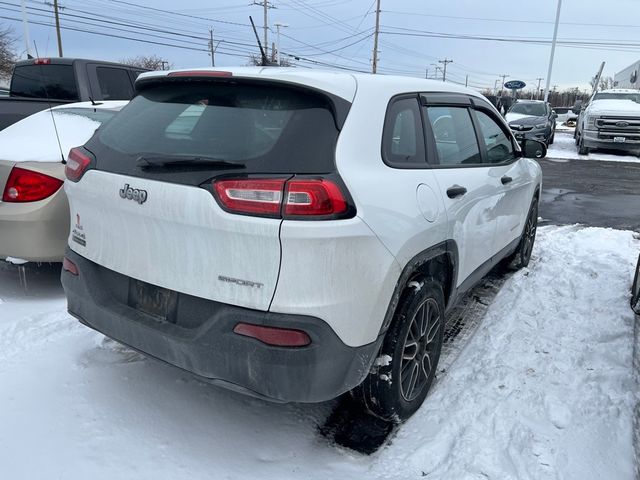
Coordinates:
544 390
564 147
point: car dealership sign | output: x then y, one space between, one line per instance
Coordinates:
515 85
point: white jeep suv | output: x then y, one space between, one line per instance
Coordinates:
295 235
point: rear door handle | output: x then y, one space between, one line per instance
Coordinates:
506 179
456 191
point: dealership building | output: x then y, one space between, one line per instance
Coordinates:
628 78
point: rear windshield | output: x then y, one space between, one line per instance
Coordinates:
532 109
271 127
56 82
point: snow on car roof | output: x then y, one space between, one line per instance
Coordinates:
34 139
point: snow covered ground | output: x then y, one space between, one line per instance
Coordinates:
564 148
543 390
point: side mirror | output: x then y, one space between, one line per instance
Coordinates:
635 291
554 114
533 148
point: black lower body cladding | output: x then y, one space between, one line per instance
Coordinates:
201 340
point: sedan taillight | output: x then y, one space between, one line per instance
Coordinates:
28 186
282 198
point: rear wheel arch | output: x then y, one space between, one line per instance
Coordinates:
439 262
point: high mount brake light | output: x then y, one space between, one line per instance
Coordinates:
29 186
77 163
201 73
42 61
281 198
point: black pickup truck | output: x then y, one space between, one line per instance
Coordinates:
44 82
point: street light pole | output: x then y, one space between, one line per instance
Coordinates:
278 25
553 51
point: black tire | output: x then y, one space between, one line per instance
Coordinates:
521 257
582 150
395 389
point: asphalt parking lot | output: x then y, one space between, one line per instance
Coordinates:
593 193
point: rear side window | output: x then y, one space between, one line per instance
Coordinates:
115 83
454 136
56 82
266 127
403 137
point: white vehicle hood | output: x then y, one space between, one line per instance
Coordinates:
624 108
34 139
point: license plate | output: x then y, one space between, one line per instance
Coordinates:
619 139
155 301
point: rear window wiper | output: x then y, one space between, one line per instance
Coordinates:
181 160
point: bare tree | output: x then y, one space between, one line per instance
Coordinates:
151 62
256 61
8 57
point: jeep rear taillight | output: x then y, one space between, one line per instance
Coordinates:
28 186
313 197
251 196
295 198
78 162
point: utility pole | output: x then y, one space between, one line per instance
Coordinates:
374 63
466 81
25 24
502 84
436 74
539 79
55 10
212 47
266 6
426 72
444 71
278 25
553 51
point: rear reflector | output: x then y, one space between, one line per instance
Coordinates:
42 61
201 73
77 163
279 337
69 266
281 198
28 186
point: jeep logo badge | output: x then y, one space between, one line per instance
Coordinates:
134 194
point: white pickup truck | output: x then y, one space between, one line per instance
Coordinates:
610 121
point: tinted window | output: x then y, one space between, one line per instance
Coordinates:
267 128
44 81
403 137
454 135
115 83
499 147
531 109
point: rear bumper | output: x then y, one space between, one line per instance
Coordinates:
35 231
202 341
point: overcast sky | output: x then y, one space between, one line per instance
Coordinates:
339 33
